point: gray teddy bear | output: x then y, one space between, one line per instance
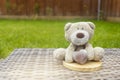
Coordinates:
79 50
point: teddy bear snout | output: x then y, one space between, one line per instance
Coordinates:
80 35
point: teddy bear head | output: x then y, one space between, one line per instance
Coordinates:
79 33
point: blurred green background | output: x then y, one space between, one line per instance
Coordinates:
50 34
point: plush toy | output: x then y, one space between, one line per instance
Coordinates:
79 50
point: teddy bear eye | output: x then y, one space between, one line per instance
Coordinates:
82 28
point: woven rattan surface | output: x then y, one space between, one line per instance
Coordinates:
38 64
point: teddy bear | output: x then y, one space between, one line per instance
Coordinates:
79 50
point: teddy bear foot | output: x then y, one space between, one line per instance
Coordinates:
80 56
59 54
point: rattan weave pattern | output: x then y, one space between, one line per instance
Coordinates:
38 64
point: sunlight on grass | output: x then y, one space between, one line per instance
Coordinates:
50 34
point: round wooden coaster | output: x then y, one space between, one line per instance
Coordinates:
89 66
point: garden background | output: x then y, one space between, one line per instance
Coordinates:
40 23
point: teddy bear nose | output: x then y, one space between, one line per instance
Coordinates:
80 35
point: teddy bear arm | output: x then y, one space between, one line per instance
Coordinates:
69 53
90 50
59 54
98 53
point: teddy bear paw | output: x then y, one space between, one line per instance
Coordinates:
80 56
59 54
98 53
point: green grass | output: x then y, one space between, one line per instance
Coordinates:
50 34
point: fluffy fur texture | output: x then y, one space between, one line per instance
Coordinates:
79 50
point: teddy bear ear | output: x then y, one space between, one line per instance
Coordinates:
92 25
67 26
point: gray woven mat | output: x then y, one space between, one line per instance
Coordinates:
38 64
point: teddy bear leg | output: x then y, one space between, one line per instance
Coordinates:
98 53
80 56
59 54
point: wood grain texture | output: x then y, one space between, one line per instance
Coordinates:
89 66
